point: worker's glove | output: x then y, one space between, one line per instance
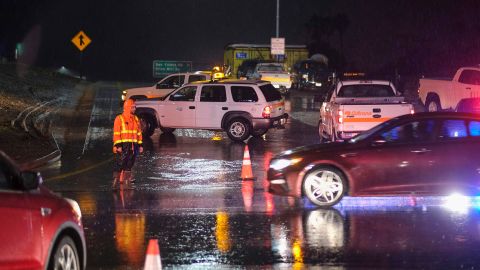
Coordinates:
140 149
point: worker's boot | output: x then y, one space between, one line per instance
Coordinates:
129 177
122 177
116 177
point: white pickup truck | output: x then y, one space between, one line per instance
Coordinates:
275 73
355 106
444 94
164 86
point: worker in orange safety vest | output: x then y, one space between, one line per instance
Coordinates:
127 142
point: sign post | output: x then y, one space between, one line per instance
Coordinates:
81 41
162 68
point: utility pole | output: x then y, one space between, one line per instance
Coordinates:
278 18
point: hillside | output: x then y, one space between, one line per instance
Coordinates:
29 99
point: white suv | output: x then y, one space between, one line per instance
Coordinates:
239 107
164 86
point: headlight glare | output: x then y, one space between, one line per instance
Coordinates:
75 207
280 164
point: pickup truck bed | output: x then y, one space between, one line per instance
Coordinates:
359 106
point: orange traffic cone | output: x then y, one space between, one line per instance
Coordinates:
153 261
247 166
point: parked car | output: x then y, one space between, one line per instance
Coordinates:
245 70
469 105
239 107
275 73
312 75
39 230
165 86
413 154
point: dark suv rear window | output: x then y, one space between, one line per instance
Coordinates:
270 93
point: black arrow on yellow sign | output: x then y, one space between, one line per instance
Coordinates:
81 40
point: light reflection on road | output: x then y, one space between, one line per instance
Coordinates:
188 195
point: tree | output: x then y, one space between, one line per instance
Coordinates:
320 30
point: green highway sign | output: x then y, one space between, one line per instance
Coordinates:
162 68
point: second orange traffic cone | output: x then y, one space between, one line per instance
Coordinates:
153 261
247 166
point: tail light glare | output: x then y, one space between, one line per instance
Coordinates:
412 111
267 111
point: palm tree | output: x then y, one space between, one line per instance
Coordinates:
341 23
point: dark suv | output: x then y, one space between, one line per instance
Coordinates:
311 75
247 67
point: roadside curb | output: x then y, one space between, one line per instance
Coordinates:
42 161
45 127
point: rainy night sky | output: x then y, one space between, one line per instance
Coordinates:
422 37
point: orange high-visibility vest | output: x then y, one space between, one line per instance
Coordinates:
126 131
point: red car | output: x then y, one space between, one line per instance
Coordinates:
39 230
424 153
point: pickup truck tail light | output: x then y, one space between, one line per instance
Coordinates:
340 117
412 111
267 111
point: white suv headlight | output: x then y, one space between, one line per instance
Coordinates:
279 164
75 207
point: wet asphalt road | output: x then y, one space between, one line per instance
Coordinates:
188 195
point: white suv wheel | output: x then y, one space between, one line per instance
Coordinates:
238 129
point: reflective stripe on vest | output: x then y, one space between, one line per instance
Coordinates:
124 130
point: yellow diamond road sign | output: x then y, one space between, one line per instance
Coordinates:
81 40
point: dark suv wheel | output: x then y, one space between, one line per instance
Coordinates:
324 186
238 129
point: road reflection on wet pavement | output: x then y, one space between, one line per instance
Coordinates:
188 194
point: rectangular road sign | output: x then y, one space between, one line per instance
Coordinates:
241 55
277 46
162 68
